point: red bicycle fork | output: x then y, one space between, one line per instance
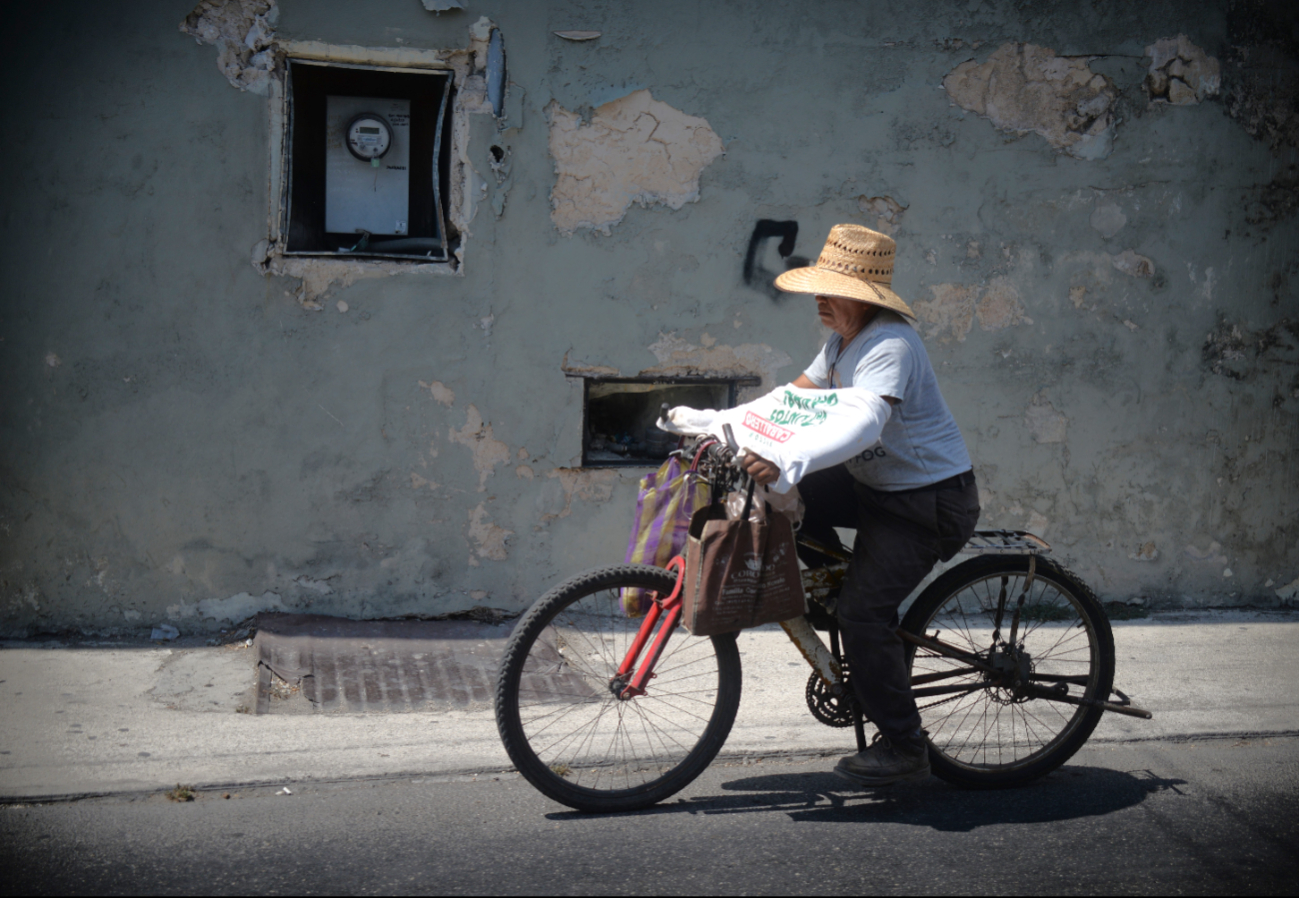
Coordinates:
668 611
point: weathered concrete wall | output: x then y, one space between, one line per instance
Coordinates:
1101 244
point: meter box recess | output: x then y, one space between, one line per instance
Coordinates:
367 155
367 165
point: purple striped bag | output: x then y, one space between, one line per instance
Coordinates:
668 499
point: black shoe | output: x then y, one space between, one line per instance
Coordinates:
884 764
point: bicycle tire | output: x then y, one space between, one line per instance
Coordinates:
967 746
564 653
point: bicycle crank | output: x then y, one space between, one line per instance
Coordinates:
827 707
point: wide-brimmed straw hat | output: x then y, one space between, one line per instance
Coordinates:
857 263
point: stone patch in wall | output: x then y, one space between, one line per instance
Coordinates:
243 32
634 149
1180 72
1024 87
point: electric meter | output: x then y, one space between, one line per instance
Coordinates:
367 166
369 136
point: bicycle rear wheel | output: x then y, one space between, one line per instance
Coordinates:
995 730
561 717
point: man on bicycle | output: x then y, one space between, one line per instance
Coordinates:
911 497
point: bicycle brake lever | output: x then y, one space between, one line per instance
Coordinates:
730 439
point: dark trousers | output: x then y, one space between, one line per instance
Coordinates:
900 537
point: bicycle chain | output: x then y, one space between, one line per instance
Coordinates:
942 701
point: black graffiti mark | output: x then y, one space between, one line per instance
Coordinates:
757 276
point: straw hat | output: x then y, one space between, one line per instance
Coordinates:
857 263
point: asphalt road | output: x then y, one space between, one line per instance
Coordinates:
1215 816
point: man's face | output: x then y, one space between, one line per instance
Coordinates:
845 317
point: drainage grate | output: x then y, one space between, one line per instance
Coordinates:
310 662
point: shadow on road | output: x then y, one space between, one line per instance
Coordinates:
1068 794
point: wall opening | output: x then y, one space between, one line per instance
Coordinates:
369 162
619 415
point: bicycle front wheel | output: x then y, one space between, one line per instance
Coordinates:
561 715
1045 658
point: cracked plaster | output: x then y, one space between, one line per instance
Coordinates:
193 427
634 149
1181 74
243 31
1023 87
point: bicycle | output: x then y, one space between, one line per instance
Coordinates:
1012 661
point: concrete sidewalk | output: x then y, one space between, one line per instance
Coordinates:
87 719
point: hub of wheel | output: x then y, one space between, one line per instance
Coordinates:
1014 671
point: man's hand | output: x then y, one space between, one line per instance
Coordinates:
761 470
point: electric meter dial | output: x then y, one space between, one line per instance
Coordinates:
369 136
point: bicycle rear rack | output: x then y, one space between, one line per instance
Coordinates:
1005 542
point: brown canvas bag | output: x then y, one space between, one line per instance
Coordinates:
740 572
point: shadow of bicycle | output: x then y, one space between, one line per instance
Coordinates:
1067 794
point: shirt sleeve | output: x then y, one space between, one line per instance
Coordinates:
885 368
819 371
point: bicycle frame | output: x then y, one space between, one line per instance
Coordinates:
672 607
665 614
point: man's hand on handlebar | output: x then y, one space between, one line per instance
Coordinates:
761 470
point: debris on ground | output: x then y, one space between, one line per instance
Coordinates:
180 793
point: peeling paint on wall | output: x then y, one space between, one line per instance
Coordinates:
1159 280
487 451
320 277
1180 72
236 608
243 31
1132 264
1108 219
578 368
1045 423
1237 352
999 307
634 149
887 211
488 539
589 485
1261 71
440 392
1023 87
951 313
678 357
